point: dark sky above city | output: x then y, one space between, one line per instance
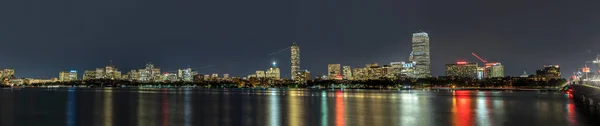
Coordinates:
42 37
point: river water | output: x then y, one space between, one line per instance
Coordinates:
295 107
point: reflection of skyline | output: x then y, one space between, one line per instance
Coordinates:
300 107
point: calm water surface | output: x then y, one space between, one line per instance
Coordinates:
275 107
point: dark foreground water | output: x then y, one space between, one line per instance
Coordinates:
275 107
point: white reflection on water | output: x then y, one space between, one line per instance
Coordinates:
108 107
274 109
187 110
324 112
141 109
294 106
483 118
71 114
411 109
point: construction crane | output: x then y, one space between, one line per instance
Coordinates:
482 60
485 63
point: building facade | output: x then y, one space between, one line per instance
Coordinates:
273 73
66 76
89 75
333 71
549 72
462 69
347 73
185 74
494 69
420 54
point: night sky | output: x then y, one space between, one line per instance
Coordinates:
42 37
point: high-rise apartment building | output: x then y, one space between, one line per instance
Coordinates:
420 54
462 69
347 73
295 57
334 71
494 69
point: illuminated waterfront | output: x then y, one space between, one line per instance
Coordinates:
274 107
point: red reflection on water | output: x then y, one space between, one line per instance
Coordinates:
339 109
571 114
165 109
463 115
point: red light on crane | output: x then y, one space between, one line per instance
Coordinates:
585 70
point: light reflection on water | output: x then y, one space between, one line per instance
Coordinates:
275 107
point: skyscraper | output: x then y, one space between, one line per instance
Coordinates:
420 54
334 71
295 57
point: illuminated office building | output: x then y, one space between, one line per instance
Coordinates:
549 72
334 71
214 76
169 77
408 70
347 73
359 74
480 72
7 73
462 69
494 69
89 75
260 74
273 73
66 76
100 73
225 76
185 74
420 54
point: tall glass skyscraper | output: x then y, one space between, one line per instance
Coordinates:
296 62
420 54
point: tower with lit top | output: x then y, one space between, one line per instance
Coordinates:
420 54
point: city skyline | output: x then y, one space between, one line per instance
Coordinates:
236 39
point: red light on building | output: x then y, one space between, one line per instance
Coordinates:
461 62
491 64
